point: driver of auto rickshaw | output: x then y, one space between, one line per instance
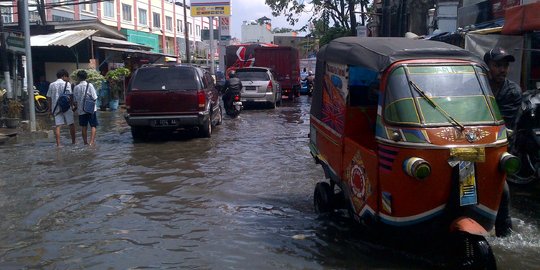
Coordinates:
507 93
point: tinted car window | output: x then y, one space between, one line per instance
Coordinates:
253 75
165 78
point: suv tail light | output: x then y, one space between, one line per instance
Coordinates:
201 97
128 101
269 87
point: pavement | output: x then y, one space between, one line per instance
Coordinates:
7 133
23 130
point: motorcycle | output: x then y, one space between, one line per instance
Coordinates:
309 84
525 142
233 106
41 105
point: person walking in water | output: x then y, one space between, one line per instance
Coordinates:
83 91
57 88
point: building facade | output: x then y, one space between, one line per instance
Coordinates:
159 24
260 32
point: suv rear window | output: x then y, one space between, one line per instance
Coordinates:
165 78
253 75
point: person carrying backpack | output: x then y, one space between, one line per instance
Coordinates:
85 92
60 98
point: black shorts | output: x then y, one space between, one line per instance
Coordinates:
88 118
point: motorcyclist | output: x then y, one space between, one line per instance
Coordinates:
232 86
309 79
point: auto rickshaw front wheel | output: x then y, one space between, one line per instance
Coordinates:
470 251
323 198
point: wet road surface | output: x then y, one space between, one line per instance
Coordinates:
239 200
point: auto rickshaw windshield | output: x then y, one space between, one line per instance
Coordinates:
461 91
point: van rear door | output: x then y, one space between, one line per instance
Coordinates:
164 90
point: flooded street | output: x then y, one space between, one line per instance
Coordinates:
241 199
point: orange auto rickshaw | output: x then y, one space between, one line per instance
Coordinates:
411 139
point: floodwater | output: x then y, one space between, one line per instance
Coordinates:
239 200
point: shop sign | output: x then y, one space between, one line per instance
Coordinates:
15 43
207 8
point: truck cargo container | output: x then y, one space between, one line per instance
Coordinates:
286 63
282 59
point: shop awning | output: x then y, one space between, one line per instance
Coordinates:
67 38
138 53
112 41
521 19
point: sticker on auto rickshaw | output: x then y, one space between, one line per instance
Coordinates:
467 183
477 154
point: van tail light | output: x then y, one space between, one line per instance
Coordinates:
269 87
236 98
201 97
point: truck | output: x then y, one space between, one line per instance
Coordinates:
283 60
241 55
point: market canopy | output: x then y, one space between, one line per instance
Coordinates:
151 56
68 38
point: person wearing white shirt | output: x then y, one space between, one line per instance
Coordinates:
56 89
85 90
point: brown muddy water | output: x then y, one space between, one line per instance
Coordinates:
239 200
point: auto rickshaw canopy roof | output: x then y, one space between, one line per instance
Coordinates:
378 53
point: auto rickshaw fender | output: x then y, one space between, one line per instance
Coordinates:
469 225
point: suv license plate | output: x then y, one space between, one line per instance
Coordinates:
165 122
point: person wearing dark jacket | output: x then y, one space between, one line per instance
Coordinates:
507 93
232 86
508 97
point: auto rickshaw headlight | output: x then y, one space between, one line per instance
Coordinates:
509 163
417 168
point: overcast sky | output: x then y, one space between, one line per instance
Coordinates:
247 10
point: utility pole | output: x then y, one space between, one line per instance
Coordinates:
212 63
186 34
29 75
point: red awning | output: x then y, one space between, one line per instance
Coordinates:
521 19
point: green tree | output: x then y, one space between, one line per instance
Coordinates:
333 33
282 30
338 12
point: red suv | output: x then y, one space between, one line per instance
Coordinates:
172 97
